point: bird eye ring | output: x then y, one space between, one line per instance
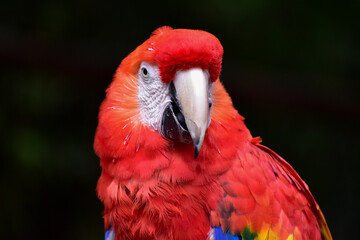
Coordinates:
144 72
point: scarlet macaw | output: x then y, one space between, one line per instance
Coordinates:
155 184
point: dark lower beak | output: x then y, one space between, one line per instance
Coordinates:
173 125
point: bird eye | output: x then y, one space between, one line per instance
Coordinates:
144 72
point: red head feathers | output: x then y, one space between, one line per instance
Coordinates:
174 49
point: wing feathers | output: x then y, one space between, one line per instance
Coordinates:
266 197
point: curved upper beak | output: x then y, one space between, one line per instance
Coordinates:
192 90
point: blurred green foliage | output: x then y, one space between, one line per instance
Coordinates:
291 67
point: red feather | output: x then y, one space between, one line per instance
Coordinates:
153 188
280 200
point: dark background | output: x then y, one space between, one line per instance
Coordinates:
291 67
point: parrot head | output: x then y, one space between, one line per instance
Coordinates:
172 75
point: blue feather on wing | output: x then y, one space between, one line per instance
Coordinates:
219 235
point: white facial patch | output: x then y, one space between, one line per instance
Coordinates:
153 95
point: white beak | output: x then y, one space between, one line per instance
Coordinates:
192 89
